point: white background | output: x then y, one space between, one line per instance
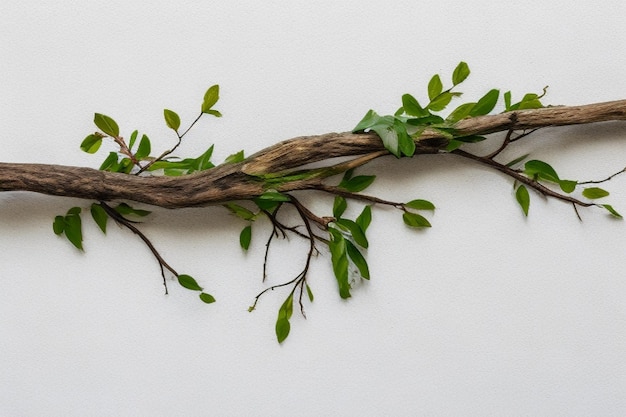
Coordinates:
487 313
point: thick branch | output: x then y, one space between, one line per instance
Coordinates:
237 181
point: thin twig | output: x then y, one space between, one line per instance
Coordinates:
129 225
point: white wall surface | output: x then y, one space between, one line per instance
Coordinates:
488 313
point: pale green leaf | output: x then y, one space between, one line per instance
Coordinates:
460 73
415 220
106 125
91 143
593 193
211 97
435 87
420 205
171 119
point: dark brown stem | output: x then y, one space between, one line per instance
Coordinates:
121 220
518 176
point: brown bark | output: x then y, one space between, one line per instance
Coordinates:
237 181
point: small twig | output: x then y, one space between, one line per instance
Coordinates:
609 178
342 192
170 151
518 176
119 219
300 279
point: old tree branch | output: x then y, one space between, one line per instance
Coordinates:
268 178
243 180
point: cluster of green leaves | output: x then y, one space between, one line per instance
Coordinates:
348 237
283 327
543 172
70 224
399 131
136 154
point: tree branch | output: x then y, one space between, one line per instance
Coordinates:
240 181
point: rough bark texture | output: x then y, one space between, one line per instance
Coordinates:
238 181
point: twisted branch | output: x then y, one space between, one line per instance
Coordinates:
240 181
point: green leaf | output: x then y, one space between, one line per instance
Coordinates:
369 120
74 210
58 225
202 162
245 237
214 113
91 143
460 112
100 216
568 186
441 101
73 230
339 206
470 138
171 119
239 211
207 298
530 101
133 138
210 98
282 329
507 101
593 193
486 103
234 158
339 258
420 205
266 204
453 144
188 282
405 142
389 136
125 166
106 125
365 218
412 107
355 230
517 160
415 220
358 183
460 73
523 198
611 210
542 170
109 162
144 148
282 322
124 208
286 309
309 293
274 196
358 260
435 87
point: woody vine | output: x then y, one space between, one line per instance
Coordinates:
267 184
